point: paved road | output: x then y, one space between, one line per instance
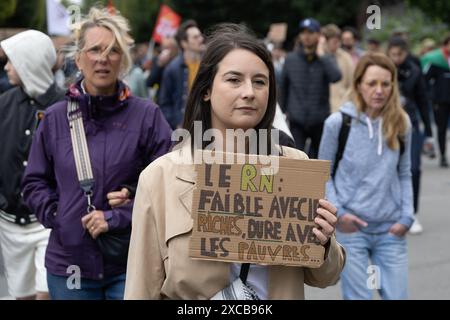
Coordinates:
429 253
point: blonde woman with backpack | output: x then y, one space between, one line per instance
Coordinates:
371 182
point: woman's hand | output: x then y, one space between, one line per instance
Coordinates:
398 229
326 220
118 198
95 223
348 223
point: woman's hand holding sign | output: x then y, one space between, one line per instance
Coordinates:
326 221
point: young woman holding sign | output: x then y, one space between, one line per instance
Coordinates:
234 89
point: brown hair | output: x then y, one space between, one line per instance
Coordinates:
181 34
395 119
331 31
446 39
226 38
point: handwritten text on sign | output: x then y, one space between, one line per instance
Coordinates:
243 215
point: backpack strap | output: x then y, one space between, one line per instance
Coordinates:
343 136
402 146
402 150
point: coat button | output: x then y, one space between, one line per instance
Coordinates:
25 163
100 276
22 221
32 102
27 132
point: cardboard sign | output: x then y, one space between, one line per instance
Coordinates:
242 214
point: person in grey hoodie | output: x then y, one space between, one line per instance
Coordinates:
23 239
372 186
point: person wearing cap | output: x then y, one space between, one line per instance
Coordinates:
305 87
22 238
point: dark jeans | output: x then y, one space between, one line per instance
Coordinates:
110 288
441 116
302 132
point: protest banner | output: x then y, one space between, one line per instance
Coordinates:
166 25
243 214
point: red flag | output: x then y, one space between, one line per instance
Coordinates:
111 8
167 24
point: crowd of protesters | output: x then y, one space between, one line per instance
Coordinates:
368 112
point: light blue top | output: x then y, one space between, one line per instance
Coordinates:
370 181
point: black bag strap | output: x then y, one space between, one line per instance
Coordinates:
343 136
402 146
402 150
81 151
245 267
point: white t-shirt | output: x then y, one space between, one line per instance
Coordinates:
258 278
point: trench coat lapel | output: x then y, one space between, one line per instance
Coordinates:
186 176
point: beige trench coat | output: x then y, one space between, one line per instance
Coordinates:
159 266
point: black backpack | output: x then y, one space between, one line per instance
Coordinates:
343 136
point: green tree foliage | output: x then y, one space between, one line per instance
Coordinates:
260 14
27 14
257 14
141 14
86 4
438 9
7 9
413 21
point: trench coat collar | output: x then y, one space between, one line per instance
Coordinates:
185 169
185 174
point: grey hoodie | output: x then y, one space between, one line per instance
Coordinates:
368 183
33 55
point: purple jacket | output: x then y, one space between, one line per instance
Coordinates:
124 134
